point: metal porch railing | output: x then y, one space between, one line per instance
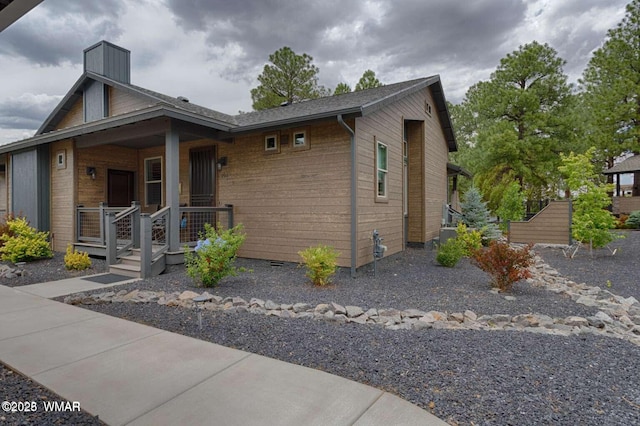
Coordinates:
123 232
91 223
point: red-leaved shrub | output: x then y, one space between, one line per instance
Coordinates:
505 264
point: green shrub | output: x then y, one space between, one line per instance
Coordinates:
450 252
215 255
591 221
321 263
76 260
4 227
470 240
511 206
505 265
475 214
23 243
633 221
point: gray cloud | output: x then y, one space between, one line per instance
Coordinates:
26 112
76 24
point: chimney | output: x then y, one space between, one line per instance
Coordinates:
108 60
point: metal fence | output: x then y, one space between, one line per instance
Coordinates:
90 222
193 219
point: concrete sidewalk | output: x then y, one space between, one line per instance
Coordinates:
131 374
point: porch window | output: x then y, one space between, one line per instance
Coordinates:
153 181
381 169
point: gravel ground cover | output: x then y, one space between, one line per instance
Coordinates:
464 377
17 388
618 273
50 270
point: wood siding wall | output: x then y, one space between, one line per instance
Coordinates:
387 217
91 192
552 225
416 181
121 102
62 195
74 117
293 199
625 205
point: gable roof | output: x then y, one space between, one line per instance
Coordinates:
354 104
630 165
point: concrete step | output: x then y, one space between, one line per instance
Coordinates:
126 270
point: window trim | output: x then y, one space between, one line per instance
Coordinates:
147 182
276 148
303 146
385 196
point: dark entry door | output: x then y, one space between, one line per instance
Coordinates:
202 177
119 188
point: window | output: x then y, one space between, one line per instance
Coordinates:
381 169
299 139
153 181
271 143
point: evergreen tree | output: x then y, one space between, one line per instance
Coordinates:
611 84
368 81
289 78
342 88
518 122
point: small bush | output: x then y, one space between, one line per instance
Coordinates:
470 240
621 222
4 227
505 264
23 243
215 255
76 260
450 252
321 263
633 221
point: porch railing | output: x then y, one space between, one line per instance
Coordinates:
192 220
123 232
154 238
91 223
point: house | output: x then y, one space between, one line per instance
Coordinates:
116 166
626 198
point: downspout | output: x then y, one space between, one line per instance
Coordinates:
354 199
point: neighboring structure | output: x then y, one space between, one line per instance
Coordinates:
626 200
326 171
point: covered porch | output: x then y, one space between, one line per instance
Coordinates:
143 191
626 200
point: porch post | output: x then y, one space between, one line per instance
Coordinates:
172 175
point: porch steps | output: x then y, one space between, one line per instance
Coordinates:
129 265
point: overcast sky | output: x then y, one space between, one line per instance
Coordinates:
212 51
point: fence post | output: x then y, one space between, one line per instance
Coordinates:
229 215
145 245
78 222
111 239
135 225
101 213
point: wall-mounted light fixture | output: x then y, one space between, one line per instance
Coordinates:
91 171
222 161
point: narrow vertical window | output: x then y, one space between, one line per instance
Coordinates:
153 181
381 169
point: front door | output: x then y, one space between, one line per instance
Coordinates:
202 177
202 191
119 188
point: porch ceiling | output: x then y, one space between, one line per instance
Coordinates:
147 133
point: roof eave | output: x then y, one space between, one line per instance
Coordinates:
297 121
157 111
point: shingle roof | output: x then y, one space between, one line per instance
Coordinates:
630 165
358 103
330 105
